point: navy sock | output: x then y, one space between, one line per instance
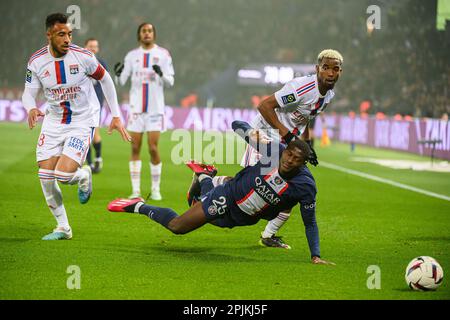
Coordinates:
161 215
98 149
206 185
88 157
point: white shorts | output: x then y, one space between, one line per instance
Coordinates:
144 122
57 139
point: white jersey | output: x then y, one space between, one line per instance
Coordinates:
147 87
300 101
67 85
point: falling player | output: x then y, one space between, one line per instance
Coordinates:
278 182
289 111
64 71
150 68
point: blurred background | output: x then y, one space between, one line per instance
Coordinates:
401 68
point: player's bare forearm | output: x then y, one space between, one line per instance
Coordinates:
305 134
267 109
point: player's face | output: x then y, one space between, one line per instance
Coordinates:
328 72
60 37
291 160
147 35
92 46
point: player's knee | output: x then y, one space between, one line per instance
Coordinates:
177 226
135 149
153 149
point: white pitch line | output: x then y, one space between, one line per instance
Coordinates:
382 180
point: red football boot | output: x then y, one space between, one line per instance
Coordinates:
200 168
124 205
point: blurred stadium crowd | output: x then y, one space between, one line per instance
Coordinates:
401 68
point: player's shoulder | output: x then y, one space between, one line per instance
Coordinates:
42 52
162 50
133 52
301 84
79 51
304 180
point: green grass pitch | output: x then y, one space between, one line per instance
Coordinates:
123 256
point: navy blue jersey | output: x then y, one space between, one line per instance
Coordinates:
260 192
252 195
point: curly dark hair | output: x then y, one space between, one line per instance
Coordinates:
302 146
54 18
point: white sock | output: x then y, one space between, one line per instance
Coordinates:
53 197
135 175
155 171
275 224
218 180
78 177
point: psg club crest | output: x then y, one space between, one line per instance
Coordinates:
155 60
73 68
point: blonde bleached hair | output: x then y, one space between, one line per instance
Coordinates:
330 54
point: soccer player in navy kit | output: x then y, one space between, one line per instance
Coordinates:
279 181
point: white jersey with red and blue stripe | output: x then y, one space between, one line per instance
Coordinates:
147 88
300 101
67 85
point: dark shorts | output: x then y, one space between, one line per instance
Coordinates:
219 212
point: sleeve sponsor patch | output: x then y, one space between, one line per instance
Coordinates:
288 98
29 76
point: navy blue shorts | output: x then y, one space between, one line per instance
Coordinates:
219 212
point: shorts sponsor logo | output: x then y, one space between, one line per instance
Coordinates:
288 98
76 144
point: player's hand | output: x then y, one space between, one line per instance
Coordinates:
33 116
157 69
259 136
312 156
118 68
116 124
317 260
288 137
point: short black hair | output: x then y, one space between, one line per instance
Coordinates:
54 18
89 39
141 26
304 148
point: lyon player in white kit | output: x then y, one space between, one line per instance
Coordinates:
150 67
64 71
285 115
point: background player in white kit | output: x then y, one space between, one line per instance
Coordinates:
289 111
150 67
64 72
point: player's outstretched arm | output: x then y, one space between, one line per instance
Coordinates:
267 109
111 97
29 103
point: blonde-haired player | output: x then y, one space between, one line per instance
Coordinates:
288 112
150 68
